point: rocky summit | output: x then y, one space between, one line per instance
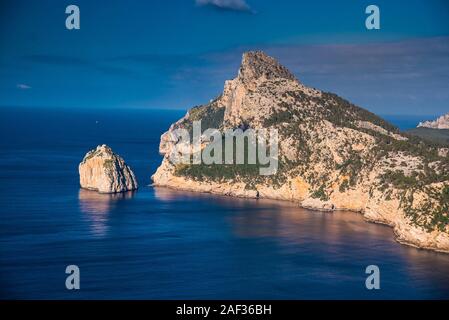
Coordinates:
333 155
440 123
106 172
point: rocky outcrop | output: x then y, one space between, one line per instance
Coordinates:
440 123
106 172
333 155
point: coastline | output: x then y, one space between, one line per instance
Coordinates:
399 237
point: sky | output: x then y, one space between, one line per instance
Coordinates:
176 54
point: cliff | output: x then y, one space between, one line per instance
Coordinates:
333 155
440 123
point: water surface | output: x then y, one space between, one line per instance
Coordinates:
158 243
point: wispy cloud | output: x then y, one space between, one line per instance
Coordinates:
166 62
68 61
412 61
23 86
410 76
234 5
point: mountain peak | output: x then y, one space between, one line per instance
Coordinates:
257 64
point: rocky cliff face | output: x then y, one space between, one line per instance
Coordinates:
333 155
106 172
440 123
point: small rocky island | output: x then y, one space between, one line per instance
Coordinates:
106 172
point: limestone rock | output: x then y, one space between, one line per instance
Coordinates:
440 123
256 64
106 172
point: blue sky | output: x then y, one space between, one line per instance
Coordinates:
177 54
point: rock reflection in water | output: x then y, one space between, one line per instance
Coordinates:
97 207
290 251
269 218
285 220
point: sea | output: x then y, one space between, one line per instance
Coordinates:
158 243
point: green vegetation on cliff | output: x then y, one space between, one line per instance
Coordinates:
297 121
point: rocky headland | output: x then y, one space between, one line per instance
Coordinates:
333 155
440 123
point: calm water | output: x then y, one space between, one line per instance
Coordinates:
409 121
159 243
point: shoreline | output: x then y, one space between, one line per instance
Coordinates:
396 235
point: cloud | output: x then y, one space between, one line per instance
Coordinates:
233 5
416 60
69 61
23 86
404 62
409 76
165 62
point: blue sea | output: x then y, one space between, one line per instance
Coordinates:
158 243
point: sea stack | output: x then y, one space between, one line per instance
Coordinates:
106 172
